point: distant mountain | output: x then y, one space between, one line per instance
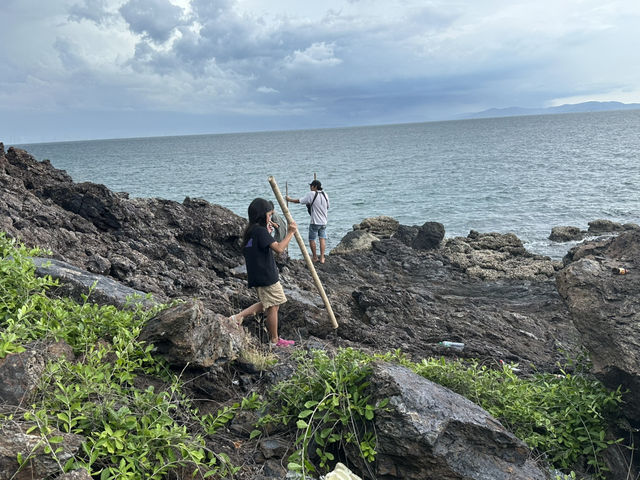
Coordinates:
568 108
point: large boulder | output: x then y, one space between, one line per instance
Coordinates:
600 226
492 256
355 240
566 234
428 431
79 284
429 236
189 334
605 308
381 227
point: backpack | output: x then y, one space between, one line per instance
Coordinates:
314 199
280 232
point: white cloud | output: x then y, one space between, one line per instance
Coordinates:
316 55
266 90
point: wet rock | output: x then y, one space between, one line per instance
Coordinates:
605 307
600 226
566 234
429 236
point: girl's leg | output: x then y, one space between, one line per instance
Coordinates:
252 310
272 323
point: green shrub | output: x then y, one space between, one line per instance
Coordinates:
131 432
325 402
565 417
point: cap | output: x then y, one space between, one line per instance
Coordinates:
316 183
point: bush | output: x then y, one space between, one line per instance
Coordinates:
564 417
325 402
131 432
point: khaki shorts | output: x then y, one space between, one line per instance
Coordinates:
271 295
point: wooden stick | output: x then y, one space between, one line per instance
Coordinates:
303 249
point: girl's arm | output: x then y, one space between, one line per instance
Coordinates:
280 247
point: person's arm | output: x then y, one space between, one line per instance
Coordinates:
280 247
292 200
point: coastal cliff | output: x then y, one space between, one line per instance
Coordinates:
484 290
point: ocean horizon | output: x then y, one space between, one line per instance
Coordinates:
521 175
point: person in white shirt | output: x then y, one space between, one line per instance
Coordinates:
317 203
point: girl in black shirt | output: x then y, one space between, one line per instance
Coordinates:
257 247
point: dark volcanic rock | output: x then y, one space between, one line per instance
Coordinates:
429 236
605 307
566 234
78 284
188 334
156 246
394 296
484 290
427 431
600 226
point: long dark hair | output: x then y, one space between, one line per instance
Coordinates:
257 216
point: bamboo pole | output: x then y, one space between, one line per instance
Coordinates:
303 249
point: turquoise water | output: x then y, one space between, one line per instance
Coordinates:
519 174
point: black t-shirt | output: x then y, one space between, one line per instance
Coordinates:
261 266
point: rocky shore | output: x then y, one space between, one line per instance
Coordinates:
391 286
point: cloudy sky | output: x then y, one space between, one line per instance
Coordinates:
88 69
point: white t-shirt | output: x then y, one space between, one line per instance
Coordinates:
319 214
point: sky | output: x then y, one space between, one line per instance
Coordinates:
93 69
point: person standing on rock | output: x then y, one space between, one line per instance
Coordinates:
262 273
317 203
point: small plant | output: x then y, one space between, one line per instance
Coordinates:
326 402
258 358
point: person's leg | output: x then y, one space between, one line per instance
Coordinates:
252 310
313 236
322 234
272 323
312 244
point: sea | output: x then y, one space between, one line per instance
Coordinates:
523 174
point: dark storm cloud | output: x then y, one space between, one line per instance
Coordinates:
155 19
